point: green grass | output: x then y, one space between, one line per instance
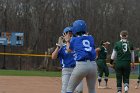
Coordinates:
44 73
29 73
132 76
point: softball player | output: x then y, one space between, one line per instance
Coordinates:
67 61
83 47
101 55
124 53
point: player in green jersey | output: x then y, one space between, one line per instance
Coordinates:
123 54
101 56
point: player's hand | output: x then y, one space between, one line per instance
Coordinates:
111 61
60 41
112 66
96 57
133 65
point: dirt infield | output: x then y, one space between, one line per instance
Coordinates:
14 84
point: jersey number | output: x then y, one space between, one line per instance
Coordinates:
124 47
87 46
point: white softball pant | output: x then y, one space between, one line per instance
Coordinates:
66 73
86 69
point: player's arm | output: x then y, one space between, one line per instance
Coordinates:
97 52
55 53
132 58
113 56
59 45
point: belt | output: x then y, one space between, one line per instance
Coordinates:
85 61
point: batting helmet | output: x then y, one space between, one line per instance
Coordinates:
79 26
67 29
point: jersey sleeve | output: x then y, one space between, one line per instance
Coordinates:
93 42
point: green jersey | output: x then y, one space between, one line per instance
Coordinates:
102 53
123 49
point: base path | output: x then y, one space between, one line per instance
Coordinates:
21 84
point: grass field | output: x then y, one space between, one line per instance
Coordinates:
43 73
29 73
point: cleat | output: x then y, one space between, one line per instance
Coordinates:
106 87
126 92
101 87
126 89
119 92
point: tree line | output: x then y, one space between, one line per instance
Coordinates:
43 21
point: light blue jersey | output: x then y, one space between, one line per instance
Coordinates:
66 59
84 48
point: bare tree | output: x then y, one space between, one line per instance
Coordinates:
42 22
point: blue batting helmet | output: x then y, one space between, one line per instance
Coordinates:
67 29
79 26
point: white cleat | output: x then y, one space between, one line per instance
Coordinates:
126 89
101 87
107 87
104 87
119 92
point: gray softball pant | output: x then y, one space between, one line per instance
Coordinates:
66 73
87 69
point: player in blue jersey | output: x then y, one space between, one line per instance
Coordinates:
82 45
67 61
